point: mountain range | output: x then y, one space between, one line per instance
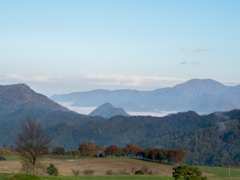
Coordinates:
211 139
203 96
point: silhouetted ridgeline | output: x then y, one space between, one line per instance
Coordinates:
202 96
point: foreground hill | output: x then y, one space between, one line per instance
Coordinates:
203 96
107 110
17 96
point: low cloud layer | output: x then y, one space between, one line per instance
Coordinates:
22 78
50 85
132 81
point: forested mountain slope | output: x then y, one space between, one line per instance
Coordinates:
215 145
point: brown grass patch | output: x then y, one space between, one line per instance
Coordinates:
99 165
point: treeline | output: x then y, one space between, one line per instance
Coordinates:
88 149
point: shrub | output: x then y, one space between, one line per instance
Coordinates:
109 172
187 173
145 169
88 172
123 171
139 172
150 172
2 158
52 170
28 169
75 172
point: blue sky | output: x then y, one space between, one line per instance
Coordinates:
64 46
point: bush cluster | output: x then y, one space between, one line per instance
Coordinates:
2 158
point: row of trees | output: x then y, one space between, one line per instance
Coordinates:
88 149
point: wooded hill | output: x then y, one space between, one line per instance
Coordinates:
215 145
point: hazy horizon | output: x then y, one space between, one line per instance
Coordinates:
60 47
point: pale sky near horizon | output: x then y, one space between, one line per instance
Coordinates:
61 46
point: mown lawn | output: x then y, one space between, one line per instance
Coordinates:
100 177
44 158
220 171
112 177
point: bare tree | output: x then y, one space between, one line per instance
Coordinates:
31 142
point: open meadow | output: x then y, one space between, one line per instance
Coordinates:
101 165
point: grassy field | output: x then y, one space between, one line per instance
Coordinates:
101 165
220 172
44 158
99 177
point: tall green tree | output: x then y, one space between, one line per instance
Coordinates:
187 173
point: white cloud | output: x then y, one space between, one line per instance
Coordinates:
17 77
134 80
230 83
202 49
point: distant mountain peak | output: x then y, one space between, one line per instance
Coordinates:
107 105
196 87
107 110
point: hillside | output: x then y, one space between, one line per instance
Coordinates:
17 96
10 123
215 145
202 96
198 135
107 111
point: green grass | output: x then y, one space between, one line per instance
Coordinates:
25 177
4 176
110 177
100 177
220 172
12 157
44 158
226 178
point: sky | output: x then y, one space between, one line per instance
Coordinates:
68 46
